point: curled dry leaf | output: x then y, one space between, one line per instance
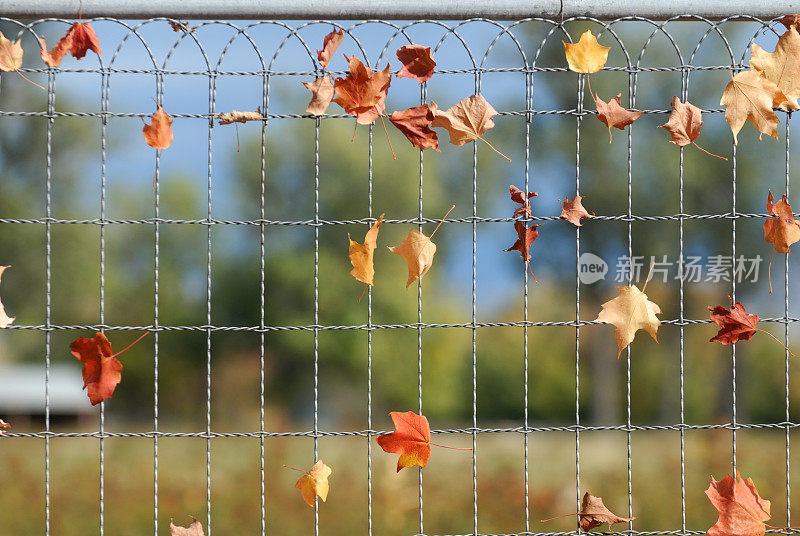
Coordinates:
414 123
573 211
195 529
594 513
417 62
102 372
321 95
180 26
749 96
418 251
518 196
782 67
315 483
742 512
466 121
587 55
79 39
525 238
362 93
239 117
5 320
781 230
613 115
329 46
411 439
736 325
684 124
361 255
630 312
158 134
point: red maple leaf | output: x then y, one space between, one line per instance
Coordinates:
525 238
411 440
362 93
415 123
518 196
781 230
736 325
417 62
78 40
329 46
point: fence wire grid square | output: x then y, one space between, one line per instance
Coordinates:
161 74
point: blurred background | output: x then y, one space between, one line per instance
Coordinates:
225 173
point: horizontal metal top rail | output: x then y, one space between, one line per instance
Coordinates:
397 9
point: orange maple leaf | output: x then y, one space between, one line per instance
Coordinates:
613 115
466 121
418 251
417 62
781 230
414 123
573 211
361 255
411 440
78 40
684 124
314 483
742 512
362 93
329 46
158 134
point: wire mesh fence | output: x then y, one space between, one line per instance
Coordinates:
522 54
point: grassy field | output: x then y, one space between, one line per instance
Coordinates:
447 483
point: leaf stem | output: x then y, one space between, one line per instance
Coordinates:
769 270
293 469
650 273
387 136
442 221
362 294
559 517
779 342
709 153
451 448
531 271
146 333
29 80
494 149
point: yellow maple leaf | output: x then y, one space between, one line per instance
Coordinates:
315 483
361 255
418 250
781 66
750 96
587 55
630 312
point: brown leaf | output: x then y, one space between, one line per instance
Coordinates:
594 513
790 20
414 123
10 54
573 211
417 62
239 117
180 26
742 512
466 121
749 96
735 325
781 230
362 93
525 239
195 529
158 134
321 95
102 372
329 46
629 312
518 196
614 115
361 255
315 483
5 320
684 122
79 39
587 55
782 67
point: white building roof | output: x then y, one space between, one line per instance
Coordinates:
22 390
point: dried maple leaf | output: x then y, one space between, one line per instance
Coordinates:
418 251
466 121
573 211
749 96
5 320
630 312
362 93
417 62
594 513
158 134
10 54
239 117
742 512
180 26
3 424
195 529
525 238
782 67
684 124
781 230
613 115
321 95
414 123
102 372
518 196
79 39
315 483
587 55
361 255
736 325
411 440
329 46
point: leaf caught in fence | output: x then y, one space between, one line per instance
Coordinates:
239 117
587 55
629 312
3 424
102 372
574 211
195 529
742 512
417 62
518 196
594 513
525 239
414 123
466 121
684 124
362 93
315 483
5 320
782 67
329 46
781 230
158 134
736 324
321 95
411 439
418 251
749 96
362 255
613 115
79 39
